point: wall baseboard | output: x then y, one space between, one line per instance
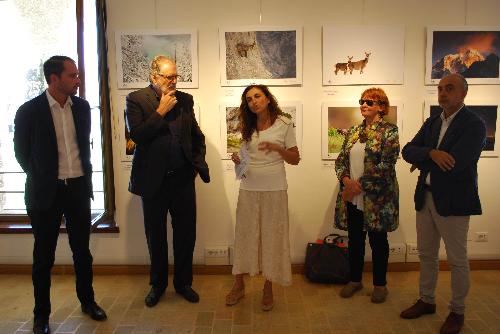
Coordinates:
99 269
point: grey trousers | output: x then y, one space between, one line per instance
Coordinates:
431 227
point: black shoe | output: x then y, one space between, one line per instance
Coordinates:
41 326
453 324
418 309
94 311
153 297
189 294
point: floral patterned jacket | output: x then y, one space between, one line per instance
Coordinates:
379 183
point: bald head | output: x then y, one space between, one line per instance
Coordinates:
452 90
158 62
460 78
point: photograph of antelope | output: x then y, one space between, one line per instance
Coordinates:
230 135
363 55
338 117
265 55
470 51
344 67
359 65
136 49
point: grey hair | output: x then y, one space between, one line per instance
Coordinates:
154 69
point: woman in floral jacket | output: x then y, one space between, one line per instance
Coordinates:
368 200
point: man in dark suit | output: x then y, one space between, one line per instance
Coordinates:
446 150
52 145
170 152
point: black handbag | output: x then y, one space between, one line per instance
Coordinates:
328 262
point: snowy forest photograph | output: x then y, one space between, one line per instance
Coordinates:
136 50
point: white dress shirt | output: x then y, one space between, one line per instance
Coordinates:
70 165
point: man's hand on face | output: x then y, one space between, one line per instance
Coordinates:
167 103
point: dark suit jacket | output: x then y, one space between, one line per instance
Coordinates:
146 129
35 146
455 192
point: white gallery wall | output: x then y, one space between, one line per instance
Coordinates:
313 185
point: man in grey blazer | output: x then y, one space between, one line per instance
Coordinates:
446 150
52 145
170 152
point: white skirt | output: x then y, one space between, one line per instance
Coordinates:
261 237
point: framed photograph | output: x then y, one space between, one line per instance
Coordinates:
126 144
338 117
487 110
136 49
262 55
231 137
470 51
363 55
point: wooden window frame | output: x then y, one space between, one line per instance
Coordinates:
103 222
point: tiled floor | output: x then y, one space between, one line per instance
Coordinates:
301 308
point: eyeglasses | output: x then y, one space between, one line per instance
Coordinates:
369 103
169 77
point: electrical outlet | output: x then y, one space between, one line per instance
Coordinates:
217 255
412 252
397 252
481 237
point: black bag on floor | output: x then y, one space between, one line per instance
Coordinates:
328 262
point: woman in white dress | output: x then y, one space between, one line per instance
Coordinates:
261 234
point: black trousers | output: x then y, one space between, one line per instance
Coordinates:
378 243
177 196
73 202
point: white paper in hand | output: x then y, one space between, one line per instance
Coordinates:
241 168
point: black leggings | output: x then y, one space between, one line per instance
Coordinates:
378 243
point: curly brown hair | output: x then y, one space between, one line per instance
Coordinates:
248 120
378 94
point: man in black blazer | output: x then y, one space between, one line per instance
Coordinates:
52 145
170 152
446 150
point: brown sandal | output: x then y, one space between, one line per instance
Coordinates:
267 300
234 296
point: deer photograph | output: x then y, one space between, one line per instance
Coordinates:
360 64
343 66
378 55
243 48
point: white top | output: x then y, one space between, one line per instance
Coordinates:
266 172
445 124
356 169
70 164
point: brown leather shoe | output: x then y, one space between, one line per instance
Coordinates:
453 323
418 309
